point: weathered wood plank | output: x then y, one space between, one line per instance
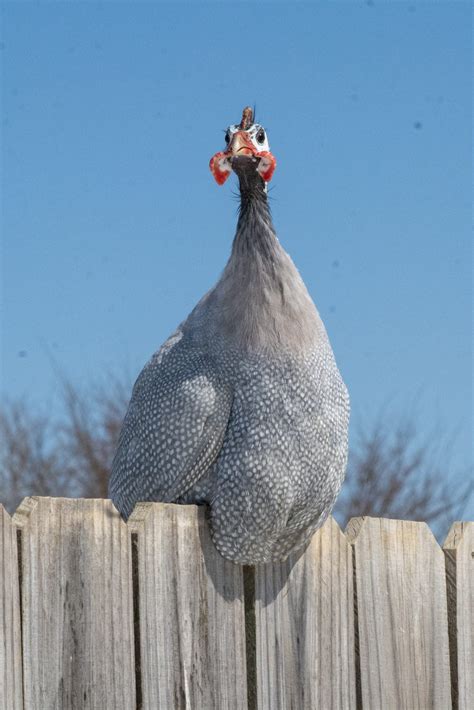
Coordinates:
305 627
459 552
192 633
401 615
77 605
11 693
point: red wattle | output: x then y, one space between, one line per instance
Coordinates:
267 166
220 176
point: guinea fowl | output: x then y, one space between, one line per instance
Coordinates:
243 407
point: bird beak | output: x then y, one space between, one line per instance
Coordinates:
241 144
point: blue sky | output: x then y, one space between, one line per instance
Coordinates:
113 227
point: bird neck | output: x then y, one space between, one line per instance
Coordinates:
255 235
260 302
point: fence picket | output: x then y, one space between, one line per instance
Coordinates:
76 605
11 694
401 615
192 630
305 629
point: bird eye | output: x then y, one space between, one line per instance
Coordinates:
260 136
227 138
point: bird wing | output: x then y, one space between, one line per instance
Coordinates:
174 426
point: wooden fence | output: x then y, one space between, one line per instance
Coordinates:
98 614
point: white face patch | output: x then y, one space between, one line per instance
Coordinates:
256 133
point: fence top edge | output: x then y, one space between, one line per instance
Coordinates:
457 534
353 528
57 504
356 526
22 514
143 509
4 513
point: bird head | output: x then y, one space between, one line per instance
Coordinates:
247 149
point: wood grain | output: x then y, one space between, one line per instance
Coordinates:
192 633
76 605
11 693
305 629
459 552
99 614
401 614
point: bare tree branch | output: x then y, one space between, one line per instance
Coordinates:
394 473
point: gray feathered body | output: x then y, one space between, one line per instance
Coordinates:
243 408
